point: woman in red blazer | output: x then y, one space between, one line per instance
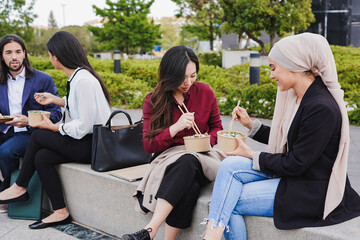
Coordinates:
308 147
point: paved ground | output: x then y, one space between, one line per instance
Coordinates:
18 229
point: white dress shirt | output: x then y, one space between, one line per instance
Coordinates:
15 93
87 106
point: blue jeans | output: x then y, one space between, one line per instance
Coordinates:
239 190
12 147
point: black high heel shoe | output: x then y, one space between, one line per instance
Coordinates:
41 224
22 198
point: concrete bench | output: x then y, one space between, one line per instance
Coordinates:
105 203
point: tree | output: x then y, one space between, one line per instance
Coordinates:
204 14
37 46
274 16
51 21
16 17
170 33
126 27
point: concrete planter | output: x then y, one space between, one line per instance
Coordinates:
232 58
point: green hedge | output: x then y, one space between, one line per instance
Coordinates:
124 90
211 58
139 77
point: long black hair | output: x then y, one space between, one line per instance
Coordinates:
4 69
70 53
172 71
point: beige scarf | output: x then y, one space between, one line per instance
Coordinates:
299 53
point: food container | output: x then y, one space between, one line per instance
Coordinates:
197 143
4 119
227 141
34 116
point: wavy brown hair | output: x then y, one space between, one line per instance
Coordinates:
171 75
4 69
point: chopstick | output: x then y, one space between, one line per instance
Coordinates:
193 121
183 104
232 120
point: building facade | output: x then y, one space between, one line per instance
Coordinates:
337 20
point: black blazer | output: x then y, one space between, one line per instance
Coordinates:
313 142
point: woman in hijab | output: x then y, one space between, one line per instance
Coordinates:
308 145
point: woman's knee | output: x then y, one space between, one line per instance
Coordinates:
41 159
234 163
187 161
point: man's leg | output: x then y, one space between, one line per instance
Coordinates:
10 152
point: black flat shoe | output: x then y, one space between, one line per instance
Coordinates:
22 198
41 224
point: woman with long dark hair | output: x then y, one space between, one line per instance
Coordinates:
171 186
87 102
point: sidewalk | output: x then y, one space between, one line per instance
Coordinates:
18 229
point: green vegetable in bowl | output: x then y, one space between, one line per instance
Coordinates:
4 117
232 134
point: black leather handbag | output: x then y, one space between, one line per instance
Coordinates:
115 147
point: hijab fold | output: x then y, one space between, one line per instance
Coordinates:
310 52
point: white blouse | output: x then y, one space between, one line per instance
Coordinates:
87 106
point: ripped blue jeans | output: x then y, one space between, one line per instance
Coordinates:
239 190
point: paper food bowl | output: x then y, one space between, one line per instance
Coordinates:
35 116
227 141
197 143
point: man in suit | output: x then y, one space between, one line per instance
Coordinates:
18 84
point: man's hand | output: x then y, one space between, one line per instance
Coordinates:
18 121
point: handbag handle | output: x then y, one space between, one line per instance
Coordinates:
108 123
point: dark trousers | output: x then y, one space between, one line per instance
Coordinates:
12 147
45 150
181 188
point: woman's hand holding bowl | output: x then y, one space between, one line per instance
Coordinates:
46 124
242 150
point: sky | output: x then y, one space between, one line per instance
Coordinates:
77 12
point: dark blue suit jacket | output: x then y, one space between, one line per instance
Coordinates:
38 82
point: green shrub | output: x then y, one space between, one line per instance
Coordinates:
138 77
354 117
210 58
41 63
124 90
144 70
259 101
60 79
105 65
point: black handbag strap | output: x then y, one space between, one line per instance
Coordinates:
108 123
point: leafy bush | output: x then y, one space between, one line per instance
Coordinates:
60 79
144 70
125 91
41 63
139 77
210 58
354 117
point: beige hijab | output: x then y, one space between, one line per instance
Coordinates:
299 53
